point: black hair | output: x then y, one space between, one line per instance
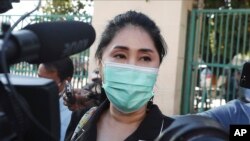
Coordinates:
136 19
64 67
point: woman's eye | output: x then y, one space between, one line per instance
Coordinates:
119 56
146 59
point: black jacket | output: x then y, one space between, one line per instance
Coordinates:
149 129
75 118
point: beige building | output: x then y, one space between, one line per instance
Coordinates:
171 17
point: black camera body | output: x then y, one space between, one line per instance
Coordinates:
40 98
6 5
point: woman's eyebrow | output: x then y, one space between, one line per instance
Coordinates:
121 47
146 50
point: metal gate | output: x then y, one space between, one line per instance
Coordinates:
217 47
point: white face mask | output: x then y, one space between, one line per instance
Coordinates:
128 87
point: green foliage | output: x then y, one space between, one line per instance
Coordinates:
235 4
69 9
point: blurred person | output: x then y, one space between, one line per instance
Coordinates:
60 71
129 56
236 111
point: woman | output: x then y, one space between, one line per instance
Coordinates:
129 55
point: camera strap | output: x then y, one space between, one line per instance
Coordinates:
79 131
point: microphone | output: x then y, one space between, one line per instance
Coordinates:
48 41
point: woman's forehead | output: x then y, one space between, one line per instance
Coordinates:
132 37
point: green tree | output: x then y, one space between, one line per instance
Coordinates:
67 10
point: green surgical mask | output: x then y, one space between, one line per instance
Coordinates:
128 87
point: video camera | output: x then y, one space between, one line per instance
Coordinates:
38 96
29 107
32 111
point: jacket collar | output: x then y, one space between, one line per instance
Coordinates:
151 126
149 129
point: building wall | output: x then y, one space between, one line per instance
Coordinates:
171 17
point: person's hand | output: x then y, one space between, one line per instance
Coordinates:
81 100
85 97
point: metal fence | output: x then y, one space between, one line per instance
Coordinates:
80 60
218 45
